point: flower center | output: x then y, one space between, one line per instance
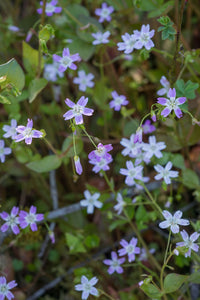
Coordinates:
100 151
115 264
87 287
1 150
91 201
49 8
132 173
30 218
66 61
12 220
105 12
78 110
130 249
4 289
145 37
27 132
118 100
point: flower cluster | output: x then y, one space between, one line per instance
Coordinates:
21 218
100 157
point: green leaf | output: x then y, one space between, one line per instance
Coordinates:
46 32
190 179
4 100
35 87
186 89
30 59
130 127
14 74
75 243
117 223
151 291
173 282
46 164
194 277
92 241
18 265
68 145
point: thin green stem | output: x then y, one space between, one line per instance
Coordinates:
74 144
107 295
89 137
51 146
168 243
152 199
162 273
162 52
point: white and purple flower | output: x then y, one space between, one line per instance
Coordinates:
144 37
172 104
120 204
101 37
77 110
165 172
173 221
132 173
91 201
101 152
166 86
11 221
129 248
67 60
114 263
26 219
4 151
153 148
118 101
87 287
78 165
50 8
100 165
148 127
84 80
104 12
128 43
188 242
51 72
27 133
5 288
10 131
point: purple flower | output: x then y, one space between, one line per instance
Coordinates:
165 173
148 127
132 173
78 165
138 135
30 218
153 148
104 12
10 130
118 101
114 263
27 133
91 201
5 288
67 60
144 37
166 86
173 221
101 152
51 71
84 80
129 248
131 148
87 287
101 165
11 220
128 43
172 103
13 28
50 8
78 110
4 151
101 38
188 242
120 204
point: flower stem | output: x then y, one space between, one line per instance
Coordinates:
51 146
168 243
107 295
152 199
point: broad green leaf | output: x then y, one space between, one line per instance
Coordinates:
14 74
35 87
151 291
186 89
85 49
30 59
165 8
68 146
190 179
130 127
117 223
92 241
101 94
77 11
173 282
46 164
194 277
75 243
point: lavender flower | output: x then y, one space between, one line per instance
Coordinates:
26 219
27 133
78 110
78 165
132 149
101 38
118 101
148 127
101 165
87 287
188 242
104 12
84 80
11 220
4 151
50 8
51 72
114 263
144 37
173 221
129 248
166 86
67 60
10 130
13 28
120 204
171 104
91 201
128 43
153 148
165 173
132 173
5 288
101 152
